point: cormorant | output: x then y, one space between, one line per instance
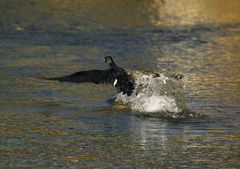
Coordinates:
116 75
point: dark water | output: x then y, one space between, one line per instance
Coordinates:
49 125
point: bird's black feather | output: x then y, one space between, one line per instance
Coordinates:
124 83
93 76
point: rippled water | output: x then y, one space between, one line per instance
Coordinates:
48 124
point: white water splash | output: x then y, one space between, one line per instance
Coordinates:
154 93
153 103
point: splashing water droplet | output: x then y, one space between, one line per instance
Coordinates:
155 94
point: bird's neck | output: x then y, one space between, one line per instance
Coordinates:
113 65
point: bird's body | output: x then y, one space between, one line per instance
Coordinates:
116 75
122 79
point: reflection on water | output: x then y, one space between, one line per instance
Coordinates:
161 139
191 12
49 124
98 14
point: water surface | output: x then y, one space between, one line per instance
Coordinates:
49 124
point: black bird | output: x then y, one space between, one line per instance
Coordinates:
116 75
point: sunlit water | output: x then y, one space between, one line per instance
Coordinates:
47 124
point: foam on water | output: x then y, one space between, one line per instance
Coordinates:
155 94
153 103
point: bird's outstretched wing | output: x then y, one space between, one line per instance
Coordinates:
93 76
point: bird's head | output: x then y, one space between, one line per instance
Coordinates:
108 60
